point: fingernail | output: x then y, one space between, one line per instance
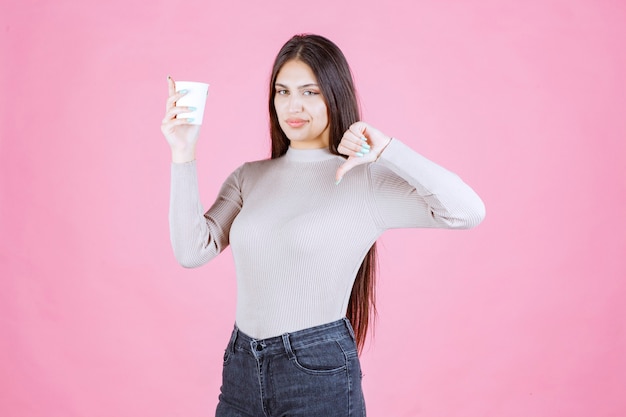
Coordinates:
338 181
363 139
183 91
191 119
359 154
365 150
191 108
365 145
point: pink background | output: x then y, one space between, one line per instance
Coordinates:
526 100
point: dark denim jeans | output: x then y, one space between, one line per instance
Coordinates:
313 372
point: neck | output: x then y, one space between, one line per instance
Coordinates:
308 155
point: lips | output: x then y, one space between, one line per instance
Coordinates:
294 122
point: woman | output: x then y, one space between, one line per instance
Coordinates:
302 227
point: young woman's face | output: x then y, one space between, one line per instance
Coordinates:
300 107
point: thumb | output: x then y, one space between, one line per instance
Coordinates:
350 163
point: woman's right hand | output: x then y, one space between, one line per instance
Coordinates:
180 134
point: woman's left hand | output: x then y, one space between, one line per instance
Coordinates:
362 144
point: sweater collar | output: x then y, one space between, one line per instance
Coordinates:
308 155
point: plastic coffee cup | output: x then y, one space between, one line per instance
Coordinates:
196 97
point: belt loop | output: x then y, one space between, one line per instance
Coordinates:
287 346
349 327
233 338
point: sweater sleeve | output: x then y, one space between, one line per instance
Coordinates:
198 237
412 191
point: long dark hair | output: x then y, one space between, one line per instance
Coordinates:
334 79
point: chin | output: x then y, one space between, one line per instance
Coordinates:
298 139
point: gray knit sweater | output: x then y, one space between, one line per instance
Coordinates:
298 239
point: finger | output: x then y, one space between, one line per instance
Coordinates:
182 121
171 90
357 137
350 138
345 167
176 110
171 86
351 145
358 129
170 124
171 100
351 149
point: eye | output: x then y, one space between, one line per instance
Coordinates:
281 92
310 93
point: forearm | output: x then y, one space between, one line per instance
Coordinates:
453 204
190 236
183 154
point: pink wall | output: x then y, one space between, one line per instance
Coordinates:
523 316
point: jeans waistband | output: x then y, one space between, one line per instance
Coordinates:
335 330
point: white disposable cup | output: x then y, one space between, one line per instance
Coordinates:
195 97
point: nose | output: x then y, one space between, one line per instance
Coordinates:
295 103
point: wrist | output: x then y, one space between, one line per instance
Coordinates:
182 156
384 147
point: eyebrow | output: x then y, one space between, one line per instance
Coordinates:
302 86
